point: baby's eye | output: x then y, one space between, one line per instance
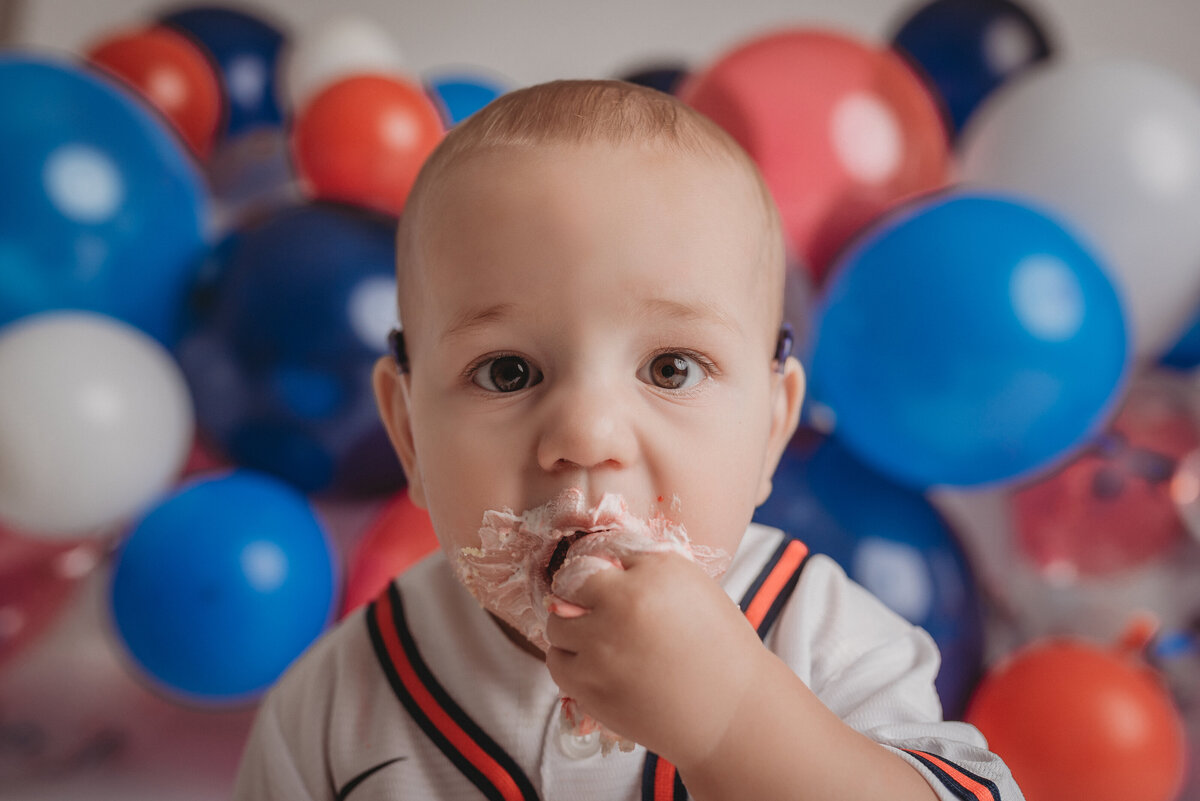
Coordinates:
505 374
675 371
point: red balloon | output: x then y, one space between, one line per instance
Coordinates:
173 74
840 129
205 457
401 535
363 139
1076 722
1112 508
37 578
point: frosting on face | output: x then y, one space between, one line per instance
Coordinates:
523 559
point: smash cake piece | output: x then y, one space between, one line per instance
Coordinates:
526 560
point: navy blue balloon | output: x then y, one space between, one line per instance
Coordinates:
246 50
1185 353
665 78
968 48
103 208
222 585
290 317
892 541
458 96
967 340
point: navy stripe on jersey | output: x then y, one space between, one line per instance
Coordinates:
658 772
443 699
984 789
785 593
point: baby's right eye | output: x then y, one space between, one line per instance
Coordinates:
505 374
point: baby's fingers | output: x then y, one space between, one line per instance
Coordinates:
565 609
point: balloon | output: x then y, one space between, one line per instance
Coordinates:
76 724
1073 721
1185 353
966 340
363 139
222 585
459 95
246 50
1112 507
337 48
285 335
251 177
1112 148
401 535
841 130
1185 491
664 77
37 579
204 457
111 209
967 48
889 539
96 422
172 74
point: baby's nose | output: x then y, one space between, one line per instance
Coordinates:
586 427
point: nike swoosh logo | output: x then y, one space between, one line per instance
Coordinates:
366 774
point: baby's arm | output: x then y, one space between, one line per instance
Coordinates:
681 671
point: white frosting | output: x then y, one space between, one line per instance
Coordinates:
508 572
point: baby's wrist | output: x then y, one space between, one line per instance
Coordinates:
740 699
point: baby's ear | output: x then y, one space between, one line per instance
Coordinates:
392 401
787 398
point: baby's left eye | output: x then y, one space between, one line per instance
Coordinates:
674 371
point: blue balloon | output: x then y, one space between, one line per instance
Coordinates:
967 340
892 541
459 96
222 585
1185 353
246 50
104 209
665 78
289 319
968 48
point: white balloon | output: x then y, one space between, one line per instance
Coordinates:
1113 150
333 49
96 422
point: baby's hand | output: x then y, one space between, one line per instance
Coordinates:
661 656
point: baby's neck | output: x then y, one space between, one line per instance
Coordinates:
517 640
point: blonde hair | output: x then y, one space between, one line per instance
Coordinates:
583 112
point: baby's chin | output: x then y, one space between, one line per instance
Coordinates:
522 560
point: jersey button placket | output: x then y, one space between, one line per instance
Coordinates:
578 746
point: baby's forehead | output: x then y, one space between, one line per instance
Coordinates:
569 177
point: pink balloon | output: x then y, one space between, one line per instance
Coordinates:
841 129
37 578
1112 508
401 535
76 723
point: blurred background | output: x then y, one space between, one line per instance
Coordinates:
993 219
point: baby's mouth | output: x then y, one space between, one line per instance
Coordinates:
559 554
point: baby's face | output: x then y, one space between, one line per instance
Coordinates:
594 318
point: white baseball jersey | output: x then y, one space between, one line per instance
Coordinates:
422 696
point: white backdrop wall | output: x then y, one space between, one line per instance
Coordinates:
529 41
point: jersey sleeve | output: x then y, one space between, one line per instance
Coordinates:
269 769
876 671
292 753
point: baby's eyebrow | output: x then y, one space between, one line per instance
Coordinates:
700 311
475 318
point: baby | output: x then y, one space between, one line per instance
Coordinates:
590 394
